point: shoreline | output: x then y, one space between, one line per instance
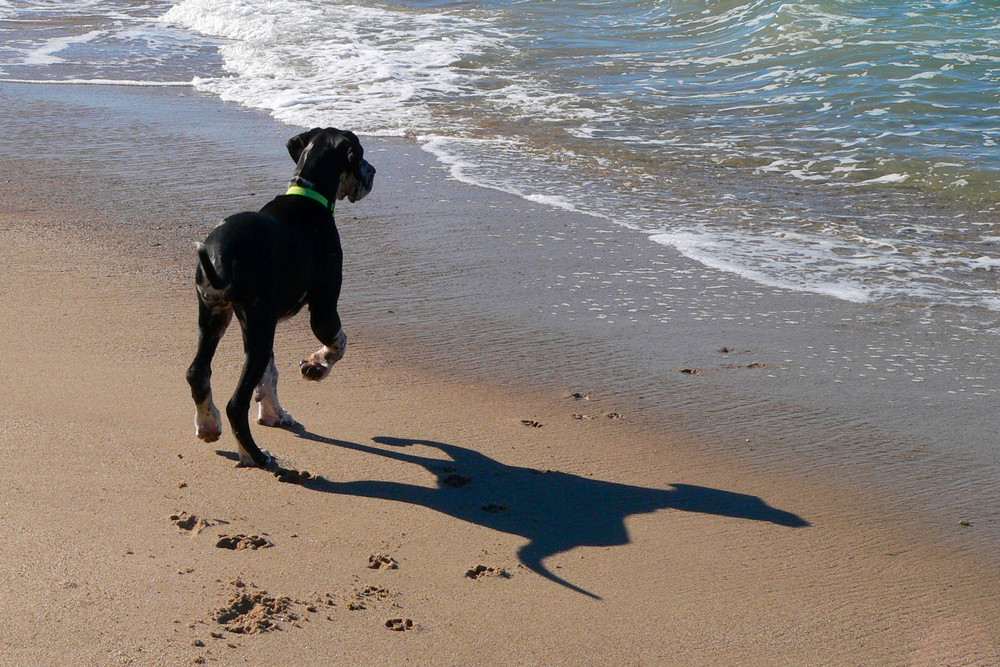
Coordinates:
697 515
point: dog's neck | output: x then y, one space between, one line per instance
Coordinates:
305 188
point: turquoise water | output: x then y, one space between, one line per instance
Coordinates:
838 146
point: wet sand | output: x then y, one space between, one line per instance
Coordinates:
496 474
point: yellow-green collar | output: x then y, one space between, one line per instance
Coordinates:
312 194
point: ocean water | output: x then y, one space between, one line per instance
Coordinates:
845 147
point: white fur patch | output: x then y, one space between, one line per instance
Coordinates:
207 421
334 354
270 412
324 358
353 188
247 460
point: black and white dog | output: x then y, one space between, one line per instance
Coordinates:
264 267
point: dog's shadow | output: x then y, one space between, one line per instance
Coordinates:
554 511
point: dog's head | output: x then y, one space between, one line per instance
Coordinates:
331 161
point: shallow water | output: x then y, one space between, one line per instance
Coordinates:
836 146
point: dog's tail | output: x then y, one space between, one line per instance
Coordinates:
208 268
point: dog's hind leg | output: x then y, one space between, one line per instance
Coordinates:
258 344
212 324
270 412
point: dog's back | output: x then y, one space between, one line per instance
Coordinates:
271 254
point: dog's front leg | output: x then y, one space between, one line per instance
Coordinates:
319 363
325 323
270 412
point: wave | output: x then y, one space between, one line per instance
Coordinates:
374 69
102 82
832 146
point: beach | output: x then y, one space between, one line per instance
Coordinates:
529 455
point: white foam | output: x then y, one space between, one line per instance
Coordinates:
457 167
883 180
855 268
45 53
102 82
717 252
309 63
473 170
555 201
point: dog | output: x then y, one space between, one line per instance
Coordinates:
264 267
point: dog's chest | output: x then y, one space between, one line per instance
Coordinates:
296 306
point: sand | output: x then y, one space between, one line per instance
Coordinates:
595 530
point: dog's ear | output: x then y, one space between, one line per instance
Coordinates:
351 147
298 143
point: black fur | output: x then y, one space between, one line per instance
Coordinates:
265 266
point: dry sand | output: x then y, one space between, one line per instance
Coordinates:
435 520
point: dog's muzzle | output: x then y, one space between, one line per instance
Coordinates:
367 174
357 186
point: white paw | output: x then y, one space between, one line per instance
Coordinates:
313 368
320 362
281 419
208 425
246 461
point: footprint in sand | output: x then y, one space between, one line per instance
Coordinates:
494 508
252 613
190 522
454 481
243 542
292 476
480 571
368 595
610 415
399 624
382 562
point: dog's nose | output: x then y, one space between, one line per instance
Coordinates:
367 173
